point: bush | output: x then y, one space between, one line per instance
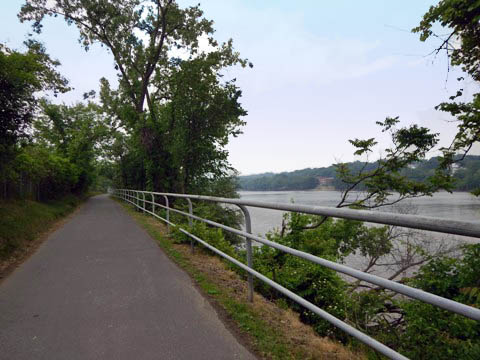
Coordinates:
212 236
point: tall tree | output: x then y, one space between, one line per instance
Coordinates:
201 115
139 34
142 36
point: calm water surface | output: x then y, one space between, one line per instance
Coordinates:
455 206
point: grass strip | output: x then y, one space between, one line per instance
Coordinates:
22 222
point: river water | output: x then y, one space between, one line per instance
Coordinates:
453 206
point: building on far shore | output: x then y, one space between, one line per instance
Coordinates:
325 183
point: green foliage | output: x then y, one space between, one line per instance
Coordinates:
333 240
55 156
22 76
61 160
409 146
462 17
315 283
74 133
413 328
138 34
213 236
21 221
181 146
433 333
201 116
175 114
306 179
462 46
52 175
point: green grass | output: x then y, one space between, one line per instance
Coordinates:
21 221
266 340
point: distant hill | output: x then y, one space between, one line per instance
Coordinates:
466 172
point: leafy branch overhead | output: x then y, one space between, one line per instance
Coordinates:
462 46
139 34
384 182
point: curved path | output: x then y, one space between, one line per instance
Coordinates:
100 288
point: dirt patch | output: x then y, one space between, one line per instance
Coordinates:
286 321
7 266
298 336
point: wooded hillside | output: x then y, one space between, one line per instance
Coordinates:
466 174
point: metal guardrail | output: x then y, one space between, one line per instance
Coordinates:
472 229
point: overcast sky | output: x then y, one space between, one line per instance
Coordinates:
324 72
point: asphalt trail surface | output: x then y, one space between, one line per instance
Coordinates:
100 288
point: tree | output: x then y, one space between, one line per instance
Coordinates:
385 183
142 35
202 114
391 251
430 332
74 133
407 324
137 33
462 46
22 76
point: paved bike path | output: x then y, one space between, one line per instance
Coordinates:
100 288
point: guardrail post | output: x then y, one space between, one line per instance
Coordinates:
153 202
190 223
144 204
168 212
248 229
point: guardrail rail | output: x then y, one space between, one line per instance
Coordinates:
139 200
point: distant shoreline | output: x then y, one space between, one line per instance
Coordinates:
353 191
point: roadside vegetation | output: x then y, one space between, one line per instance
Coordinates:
24 224
48 156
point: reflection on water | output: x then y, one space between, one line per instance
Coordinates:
455 206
